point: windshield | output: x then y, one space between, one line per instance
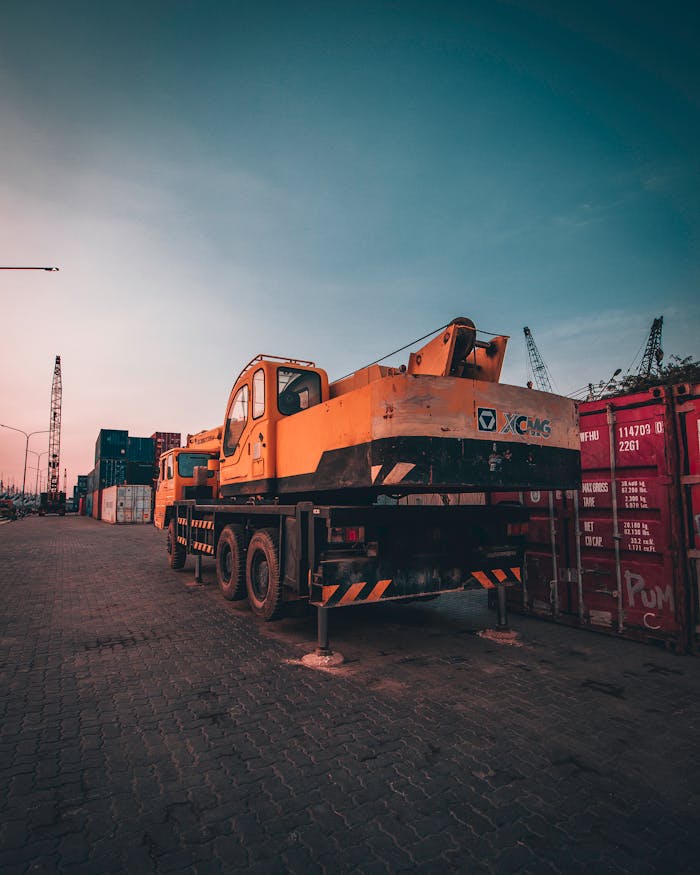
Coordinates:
187 462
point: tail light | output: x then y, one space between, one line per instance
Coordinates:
347 535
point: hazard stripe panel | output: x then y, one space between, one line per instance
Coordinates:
202 524
483 579
352 593
378 591
204 548
491 578
334 596
328 592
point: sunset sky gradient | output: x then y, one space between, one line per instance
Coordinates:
329 181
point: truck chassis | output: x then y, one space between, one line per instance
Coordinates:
333 556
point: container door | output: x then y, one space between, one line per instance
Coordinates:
124 504
688 417
547 562
630 574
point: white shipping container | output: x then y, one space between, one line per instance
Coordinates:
126 504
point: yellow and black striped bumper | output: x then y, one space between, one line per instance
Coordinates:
339 594
197 526
491 578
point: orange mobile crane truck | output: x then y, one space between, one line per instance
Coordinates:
297 495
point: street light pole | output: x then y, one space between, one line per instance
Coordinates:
26 447
38 465
29 268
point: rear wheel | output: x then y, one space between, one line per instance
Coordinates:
230 564
263 575
177 554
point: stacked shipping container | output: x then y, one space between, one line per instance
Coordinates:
120 460
126 504
141 461
111 443
164 441
623 554
79 492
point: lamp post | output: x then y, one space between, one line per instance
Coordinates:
27 435
29 268
38 465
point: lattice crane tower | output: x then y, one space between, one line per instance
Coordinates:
55 430
538 367
651 360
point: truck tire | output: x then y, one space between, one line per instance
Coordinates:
230 564
263 575
177 555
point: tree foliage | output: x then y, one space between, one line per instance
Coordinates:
677 370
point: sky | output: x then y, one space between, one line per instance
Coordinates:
329 181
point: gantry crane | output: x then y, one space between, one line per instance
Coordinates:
540 374
53 500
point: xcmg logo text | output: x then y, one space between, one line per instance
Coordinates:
490 419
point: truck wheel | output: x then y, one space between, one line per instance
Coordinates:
230 564
263 575
177 554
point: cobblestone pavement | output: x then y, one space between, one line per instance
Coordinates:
148 726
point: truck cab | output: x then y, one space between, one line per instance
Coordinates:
177 479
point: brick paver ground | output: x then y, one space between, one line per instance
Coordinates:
147 726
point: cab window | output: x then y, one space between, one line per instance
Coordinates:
236 420
187 462
297 390
258 394
169 467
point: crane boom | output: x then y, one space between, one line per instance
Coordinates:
538 367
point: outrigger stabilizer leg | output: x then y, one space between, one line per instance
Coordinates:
502 624
323 648
323 656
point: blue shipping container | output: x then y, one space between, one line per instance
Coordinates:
110 472
141 449
111 443
140 474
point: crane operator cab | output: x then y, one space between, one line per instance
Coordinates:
268 390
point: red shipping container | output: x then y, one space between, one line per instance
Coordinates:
630 517
97 504
547 588
623 554
164 441
688 429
